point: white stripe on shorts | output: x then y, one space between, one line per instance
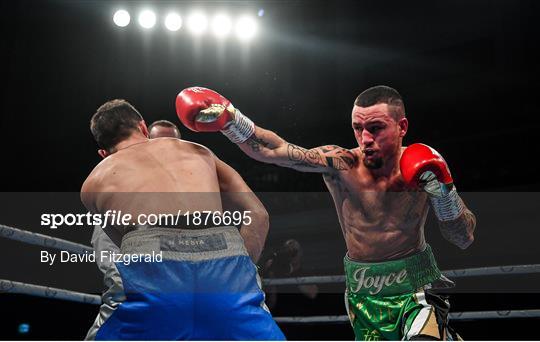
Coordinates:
422 317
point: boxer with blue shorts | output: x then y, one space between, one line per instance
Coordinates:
205 287
174 281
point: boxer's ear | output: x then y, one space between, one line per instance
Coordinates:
403 124
143 128
103 153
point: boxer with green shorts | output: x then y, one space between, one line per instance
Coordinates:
388 300
382 192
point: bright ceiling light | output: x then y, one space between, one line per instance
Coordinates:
221 25
147 19
173 22
197 23
121 18
246 28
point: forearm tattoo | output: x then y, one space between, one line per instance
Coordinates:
459 231
255 143
332 156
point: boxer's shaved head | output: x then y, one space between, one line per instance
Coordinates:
379 124
382 94
163 128
113 122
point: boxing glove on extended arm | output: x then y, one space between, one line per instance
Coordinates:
204 110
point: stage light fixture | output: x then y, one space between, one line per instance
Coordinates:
121 18
221 25
173 22
246 28
147 19
197 23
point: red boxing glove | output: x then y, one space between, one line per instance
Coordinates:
418 159
203 110
422 166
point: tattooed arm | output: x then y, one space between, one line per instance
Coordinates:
460 231
266 146
202 109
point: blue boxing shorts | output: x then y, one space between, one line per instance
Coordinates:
204 288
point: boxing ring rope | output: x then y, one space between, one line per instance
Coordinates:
42 240
455 316
8 286
459 273
61 244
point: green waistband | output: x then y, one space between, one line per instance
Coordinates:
391 277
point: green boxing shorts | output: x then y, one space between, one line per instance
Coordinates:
393 300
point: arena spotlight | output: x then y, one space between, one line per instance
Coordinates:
121 18
246 28
197 23
147 19
221 25
173 22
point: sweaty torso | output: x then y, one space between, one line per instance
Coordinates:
159 176
379 218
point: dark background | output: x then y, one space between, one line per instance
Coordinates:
467 71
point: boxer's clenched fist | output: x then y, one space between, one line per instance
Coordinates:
417 160
204 110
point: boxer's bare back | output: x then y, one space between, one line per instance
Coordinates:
159 176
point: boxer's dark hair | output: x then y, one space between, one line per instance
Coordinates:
382 94
113 122
165 123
